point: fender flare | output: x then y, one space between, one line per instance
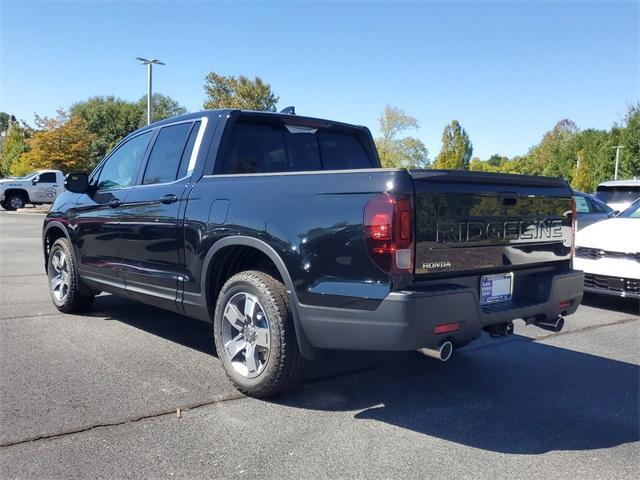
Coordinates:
21 190
49 226
240 240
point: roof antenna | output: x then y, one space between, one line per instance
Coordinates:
289 110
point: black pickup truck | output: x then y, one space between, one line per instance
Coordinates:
285 233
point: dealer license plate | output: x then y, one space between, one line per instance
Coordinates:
496 288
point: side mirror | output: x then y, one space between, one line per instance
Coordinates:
77 182
35 180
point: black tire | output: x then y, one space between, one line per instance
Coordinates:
15 201
77 298
285 367
4 205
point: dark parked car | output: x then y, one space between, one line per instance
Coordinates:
285 233
590 209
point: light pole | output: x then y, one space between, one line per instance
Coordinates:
149 63
617 147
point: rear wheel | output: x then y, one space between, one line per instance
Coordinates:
64 283
255 335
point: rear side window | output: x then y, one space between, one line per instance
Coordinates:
263 147
166 155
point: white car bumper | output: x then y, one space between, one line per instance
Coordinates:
612 276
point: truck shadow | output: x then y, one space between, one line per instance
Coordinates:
518 397
512 396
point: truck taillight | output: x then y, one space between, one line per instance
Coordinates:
388 231
574 225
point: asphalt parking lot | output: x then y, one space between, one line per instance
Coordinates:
95 396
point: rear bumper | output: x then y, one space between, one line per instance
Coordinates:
406 320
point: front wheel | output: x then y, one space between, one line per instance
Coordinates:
255 336
64 282
14 202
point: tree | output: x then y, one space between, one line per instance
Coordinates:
15 144
110 119
238 92
396 151
163 107
456 148
4 121
630 139
495 160
580 178
64 143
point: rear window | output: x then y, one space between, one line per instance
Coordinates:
618 194
263 147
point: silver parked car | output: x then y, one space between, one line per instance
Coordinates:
590 209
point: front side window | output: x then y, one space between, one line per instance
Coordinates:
47 177
120 169
166 154
582 205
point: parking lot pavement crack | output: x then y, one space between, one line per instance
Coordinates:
588 328
157 414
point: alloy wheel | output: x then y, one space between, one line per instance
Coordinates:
59 276
245 334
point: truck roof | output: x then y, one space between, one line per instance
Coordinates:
621 183
290 118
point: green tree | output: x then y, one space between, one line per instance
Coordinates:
4 121
14 145
630 140
110 119
496 160
238 92
555 155
395 150
64 143
163 107
456 148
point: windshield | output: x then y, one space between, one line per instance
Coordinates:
632 212
25 177
618 194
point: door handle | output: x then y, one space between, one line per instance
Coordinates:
170 198
115 203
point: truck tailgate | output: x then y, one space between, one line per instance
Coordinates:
481 221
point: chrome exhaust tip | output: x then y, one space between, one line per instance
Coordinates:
443 352
552 325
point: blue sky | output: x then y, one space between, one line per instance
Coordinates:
508 71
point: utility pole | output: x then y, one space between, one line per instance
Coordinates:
617 147
149 63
